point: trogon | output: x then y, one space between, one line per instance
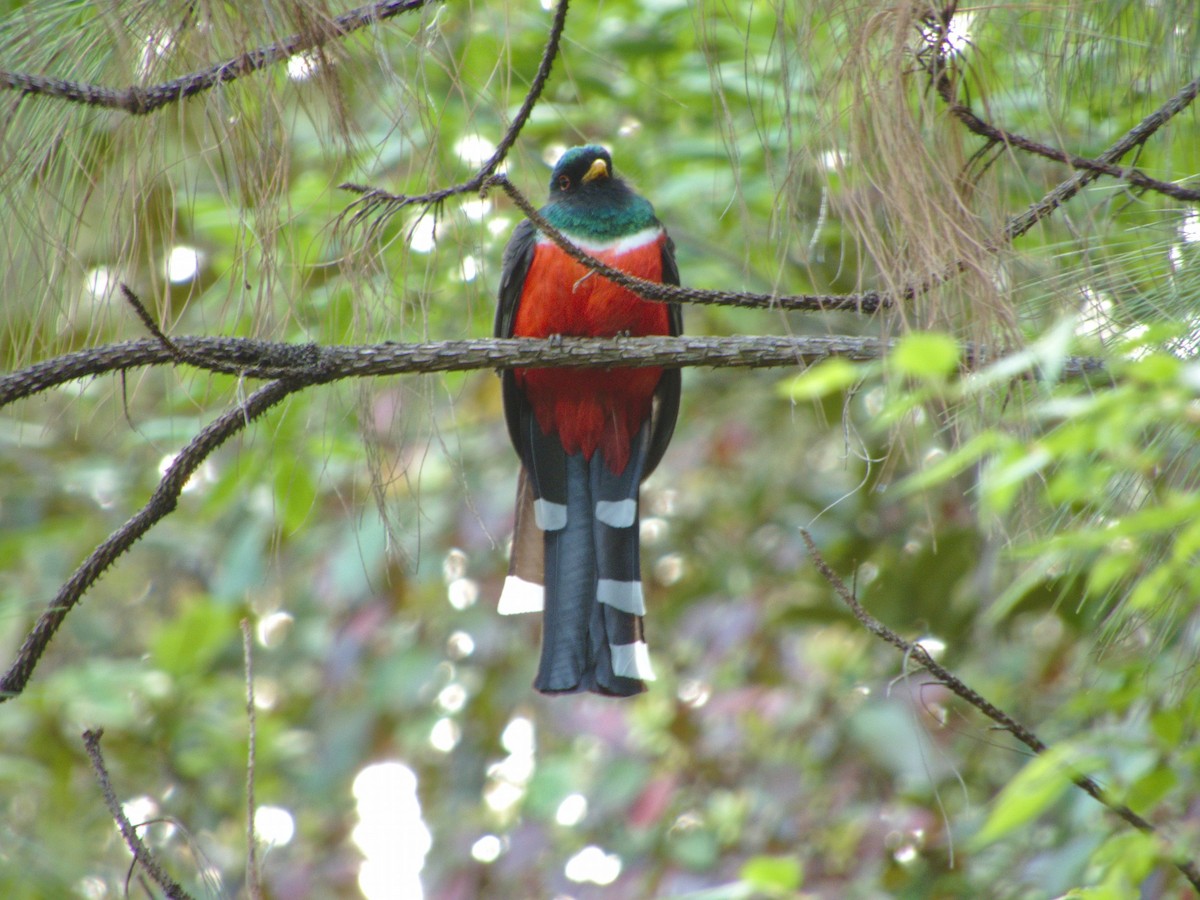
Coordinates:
587 437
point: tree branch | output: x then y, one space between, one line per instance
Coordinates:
311 363
938 61
161 503
139 101
141 853
1135 137
957 686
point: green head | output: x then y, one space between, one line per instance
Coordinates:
589 200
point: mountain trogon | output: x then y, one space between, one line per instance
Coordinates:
587 437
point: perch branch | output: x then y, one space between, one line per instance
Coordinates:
914 650
141 853
249 358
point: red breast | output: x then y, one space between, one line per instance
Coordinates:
591 408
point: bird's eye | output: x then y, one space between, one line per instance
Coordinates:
564 182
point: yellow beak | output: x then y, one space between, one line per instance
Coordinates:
599 169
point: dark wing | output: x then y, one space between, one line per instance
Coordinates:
518 256
666 396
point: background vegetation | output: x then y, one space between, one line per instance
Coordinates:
1038 534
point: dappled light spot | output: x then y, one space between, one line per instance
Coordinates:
571 810
445 735
454 564
694 693
508 778
460 645
274 628
934 646
100 282
183 264
205 474
462 593
669 569
390 834
476 209
593 865
653 530
274 826
303 66
422 237
487 849
452 698
474 149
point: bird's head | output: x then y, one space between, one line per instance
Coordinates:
581 171
588 199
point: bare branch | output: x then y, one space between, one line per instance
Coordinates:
938 61
957 686
138 101
1135 137
141 854
314 364
160 504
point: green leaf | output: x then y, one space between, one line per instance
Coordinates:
295 492
1034 790
773 875
927 355
950 465
1168 726
1155 369
190 641
826 377
1009 471
1151 788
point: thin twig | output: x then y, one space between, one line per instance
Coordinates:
161 503
138 101
914 650
379 206
148 320
253 884
141 853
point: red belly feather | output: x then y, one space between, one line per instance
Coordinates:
590 408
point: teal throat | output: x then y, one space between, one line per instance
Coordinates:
601 221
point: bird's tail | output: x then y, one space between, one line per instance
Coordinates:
592 637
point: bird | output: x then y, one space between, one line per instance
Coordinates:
586 437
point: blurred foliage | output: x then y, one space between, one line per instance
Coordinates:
1041 535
